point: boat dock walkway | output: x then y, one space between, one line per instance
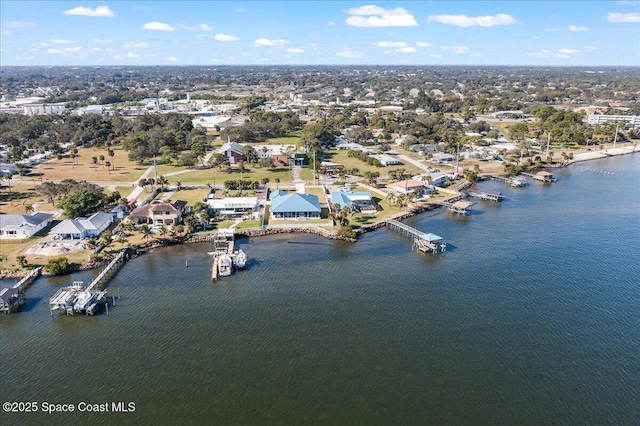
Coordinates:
76 299
488 196
515 181
425 242
11 298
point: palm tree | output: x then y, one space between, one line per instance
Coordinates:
402 201
122 240
277 181
28 208
146 231
178 185
111 154
163 230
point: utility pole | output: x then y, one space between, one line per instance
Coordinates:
548 142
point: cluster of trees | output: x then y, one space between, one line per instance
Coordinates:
78 198
241 184
360 155
264 124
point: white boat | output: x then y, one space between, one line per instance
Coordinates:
224 265
240 259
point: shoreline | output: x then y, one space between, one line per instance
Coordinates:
260 232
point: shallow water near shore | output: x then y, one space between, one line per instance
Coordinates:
531 316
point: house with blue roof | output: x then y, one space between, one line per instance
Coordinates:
295 206
359 201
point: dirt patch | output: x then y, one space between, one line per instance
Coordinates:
56 248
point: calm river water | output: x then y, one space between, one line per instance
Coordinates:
532 316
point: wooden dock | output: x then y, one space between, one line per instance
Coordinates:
76 299
425 242
458 207
488 196
11 298
514 181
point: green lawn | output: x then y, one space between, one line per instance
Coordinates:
341 157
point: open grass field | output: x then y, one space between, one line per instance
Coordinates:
82 167
191 195
14 200
341 157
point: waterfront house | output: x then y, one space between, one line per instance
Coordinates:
295 206
82 228
157 214
408 186
233 207
359 201
20 226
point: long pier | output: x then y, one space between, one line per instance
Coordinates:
425 242
489 196
11 298
108 271
77 299
515 181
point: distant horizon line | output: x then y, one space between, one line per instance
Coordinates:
321 65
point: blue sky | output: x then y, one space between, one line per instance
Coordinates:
560 33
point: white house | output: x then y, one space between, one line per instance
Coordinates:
82 228
386 160
20 226
234 206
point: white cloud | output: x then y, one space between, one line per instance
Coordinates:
135 45
470 21
102 40
173 59
346 53
436 56
117 58
423 44
132 55
18 24
266 42
407 50
313 44
560 53
59 41
67 51
460 49
372 16
390 44
590 47
225 37
5 32
157 26
95 49
295 50
444 47
198 27
98 12
331 23
552 30
577 28
620 18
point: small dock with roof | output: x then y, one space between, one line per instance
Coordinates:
424 242
542 176
458 207
11 298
